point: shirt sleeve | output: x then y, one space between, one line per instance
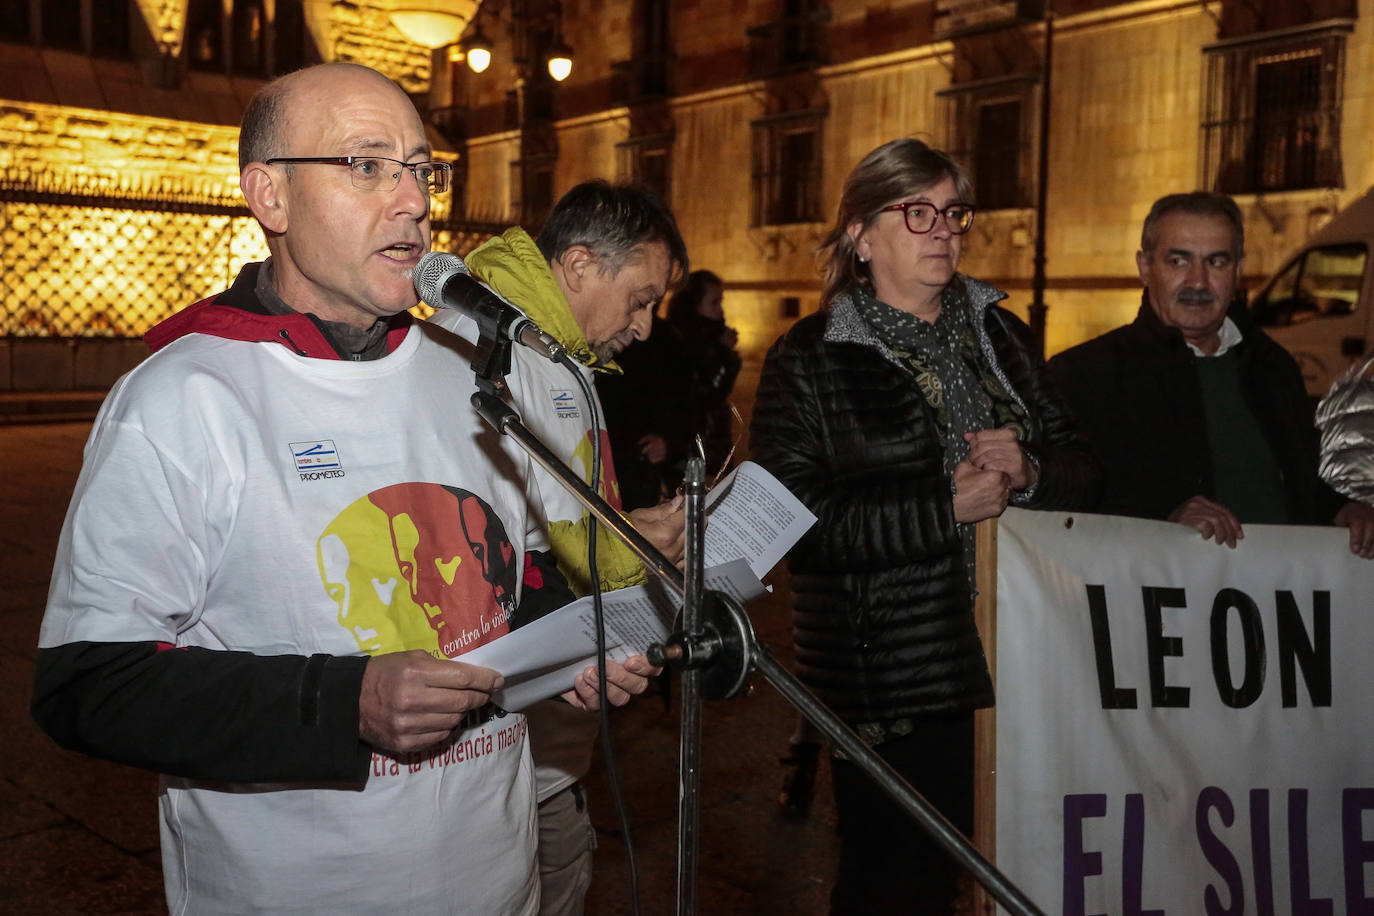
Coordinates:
205 714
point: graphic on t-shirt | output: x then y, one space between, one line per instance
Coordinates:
419 566
564 404
315 456
581 463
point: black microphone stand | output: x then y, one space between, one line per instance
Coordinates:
714 649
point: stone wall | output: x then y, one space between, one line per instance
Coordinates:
1126 105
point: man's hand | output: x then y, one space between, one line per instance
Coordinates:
652 448
999 450
622 682
1212 519
1359 518
412 700
979 494
664 526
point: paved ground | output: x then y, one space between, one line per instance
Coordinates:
79 835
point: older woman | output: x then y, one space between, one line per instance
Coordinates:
908 409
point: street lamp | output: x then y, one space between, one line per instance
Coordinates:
431 23
477 48
560 61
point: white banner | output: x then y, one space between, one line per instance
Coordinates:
1183 728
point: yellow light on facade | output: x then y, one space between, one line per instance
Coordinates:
432 23
479 58
478 50
560 62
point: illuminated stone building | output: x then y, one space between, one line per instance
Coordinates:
119 200
118 180
749 113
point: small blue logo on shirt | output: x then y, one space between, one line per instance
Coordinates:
317 460
564 404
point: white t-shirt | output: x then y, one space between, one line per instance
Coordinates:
553 407
238 496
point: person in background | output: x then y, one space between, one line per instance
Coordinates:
1345 417
650 415
697 316
905 411
602 263
235 602
1197 415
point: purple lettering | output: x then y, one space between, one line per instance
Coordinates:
1260 856
1299 871
1358 851
1133 858
1079 864
1218 855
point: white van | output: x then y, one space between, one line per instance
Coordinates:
1318 306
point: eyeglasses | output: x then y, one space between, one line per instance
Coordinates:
920 216
375 173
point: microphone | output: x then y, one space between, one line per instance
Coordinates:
443 281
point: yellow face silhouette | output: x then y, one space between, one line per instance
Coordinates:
361 574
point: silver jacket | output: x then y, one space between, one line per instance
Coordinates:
1346 420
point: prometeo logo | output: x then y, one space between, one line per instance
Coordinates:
564 404
317 460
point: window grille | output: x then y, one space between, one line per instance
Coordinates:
84 257
787 168
532 189
100 28
15 21
989 130
793 41
1272 111
256 45
648 161
648 72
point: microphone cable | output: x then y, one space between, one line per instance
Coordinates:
598 613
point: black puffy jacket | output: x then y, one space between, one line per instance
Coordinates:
882 615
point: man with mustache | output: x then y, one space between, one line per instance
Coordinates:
1197 416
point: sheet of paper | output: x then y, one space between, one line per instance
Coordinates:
750 515
751 523
540 659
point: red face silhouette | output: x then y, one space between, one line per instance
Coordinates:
453 553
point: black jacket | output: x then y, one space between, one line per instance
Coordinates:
1138 399
883 618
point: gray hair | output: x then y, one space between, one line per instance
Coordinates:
612 221
260 131
1200 203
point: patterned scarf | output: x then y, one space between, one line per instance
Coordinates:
953 376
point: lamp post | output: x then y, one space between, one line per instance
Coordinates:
1038 309
433 23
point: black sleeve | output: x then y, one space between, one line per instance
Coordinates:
544 589
1070 475
719 368
864 521
206 714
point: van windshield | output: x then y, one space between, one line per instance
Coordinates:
1320 283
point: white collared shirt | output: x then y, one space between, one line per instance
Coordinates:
1230 336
